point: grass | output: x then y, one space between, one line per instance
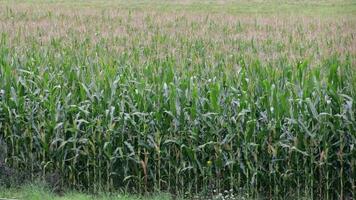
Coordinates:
182 97
37 192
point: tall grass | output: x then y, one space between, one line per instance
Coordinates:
181 102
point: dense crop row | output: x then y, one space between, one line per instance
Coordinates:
184 104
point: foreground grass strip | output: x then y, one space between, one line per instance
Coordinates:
38 192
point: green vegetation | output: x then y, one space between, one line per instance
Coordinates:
32 192
136 98
246 7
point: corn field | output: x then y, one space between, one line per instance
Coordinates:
185 102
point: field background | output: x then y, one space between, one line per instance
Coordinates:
187 97
239 7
